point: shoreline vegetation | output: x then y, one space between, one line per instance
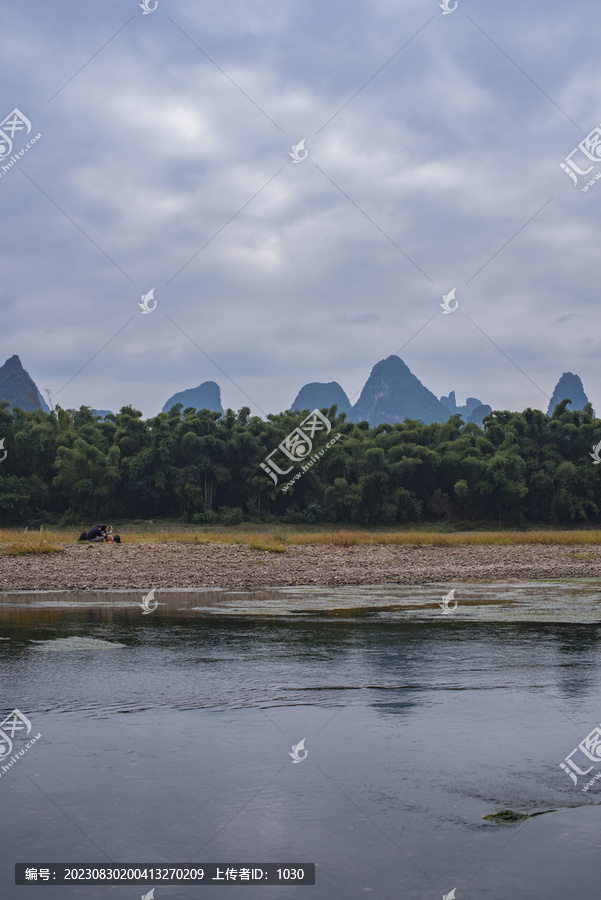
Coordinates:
16 542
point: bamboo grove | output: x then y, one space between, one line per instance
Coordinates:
70 467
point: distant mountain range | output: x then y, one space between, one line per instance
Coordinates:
392 393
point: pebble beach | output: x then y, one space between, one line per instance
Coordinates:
238 567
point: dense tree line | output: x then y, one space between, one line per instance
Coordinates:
71 467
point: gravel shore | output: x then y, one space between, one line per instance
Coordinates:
230 567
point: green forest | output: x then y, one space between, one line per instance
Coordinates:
71 467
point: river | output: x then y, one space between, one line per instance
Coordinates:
167 738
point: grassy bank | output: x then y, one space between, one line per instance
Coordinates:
276 540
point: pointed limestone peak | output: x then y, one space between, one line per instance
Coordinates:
13 364
569 387
18 387
392 393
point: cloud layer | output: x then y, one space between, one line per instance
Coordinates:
434 144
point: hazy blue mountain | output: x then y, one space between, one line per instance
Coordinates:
320 394
477 414
466 411
102 412
450 402
392 393
18 387
568 387
206 396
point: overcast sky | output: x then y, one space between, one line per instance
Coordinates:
433 143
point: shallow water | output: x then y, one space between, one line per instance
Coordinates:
166 737
576 601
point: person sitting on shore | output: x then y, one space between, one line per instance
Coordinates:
96 533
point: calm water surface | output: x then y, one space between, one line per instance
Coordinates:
166 738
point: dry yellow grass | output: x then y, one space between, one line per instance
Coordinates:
17 543
278 541
32 542
453 539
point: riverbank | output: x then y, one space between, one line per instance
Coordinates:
237 566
